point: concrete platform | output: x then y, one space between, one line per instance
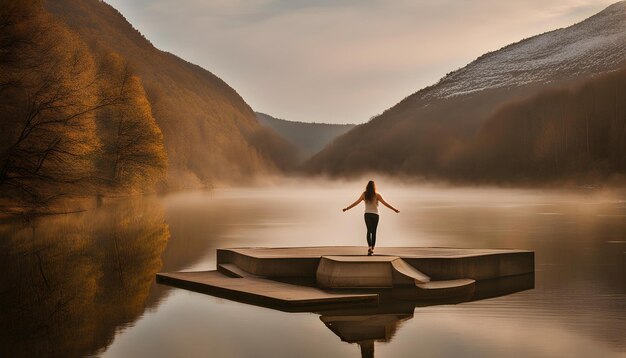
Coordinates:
362 299
326 276
438 263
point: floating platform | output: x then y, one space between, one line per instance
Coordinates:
299 278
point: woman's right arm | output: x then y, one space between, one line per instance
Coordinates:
360 199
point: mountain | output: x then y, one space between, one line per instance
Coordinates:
423 133
309 138
210 133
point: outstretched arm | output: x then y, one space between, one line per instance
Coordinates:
360 199
380 198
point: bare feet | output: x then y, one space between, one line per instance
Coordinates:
369 251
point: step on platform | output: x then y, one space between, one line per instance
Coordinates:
366 272
231 270
335 272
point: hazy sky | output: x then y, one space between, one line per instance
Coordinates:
340 61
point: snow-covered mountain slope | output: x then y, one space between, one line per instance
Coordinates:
592 46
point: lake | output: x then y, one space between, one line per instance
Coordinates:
84 284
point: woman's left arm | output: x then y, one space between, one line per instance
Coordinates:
380 198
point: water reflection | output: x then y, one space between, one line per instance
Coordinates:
365 330
365 326
69 282
83 284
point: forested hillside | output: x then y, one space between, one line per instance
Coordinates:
71 120
309 138
576 133
88 106
210 133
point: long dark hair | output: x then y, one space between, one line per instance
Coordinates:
370 191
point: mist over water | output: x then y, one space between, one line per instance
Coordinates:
577 308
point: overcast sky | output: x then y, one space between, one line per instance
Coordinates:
340 61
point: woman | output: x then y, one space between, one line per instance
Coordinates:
371 198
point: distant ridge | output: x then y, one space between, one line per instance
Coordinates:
309 138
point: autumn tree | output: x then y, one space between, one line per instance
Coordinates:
48 100
133 152
71 120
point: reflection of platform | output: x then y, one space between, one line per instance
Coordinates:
259 275
355 328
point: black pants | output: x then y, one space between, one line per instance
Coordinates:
371 221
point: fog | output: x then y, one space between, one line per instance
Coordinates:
295 212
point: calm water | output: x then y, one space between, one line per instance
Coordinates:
83 284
